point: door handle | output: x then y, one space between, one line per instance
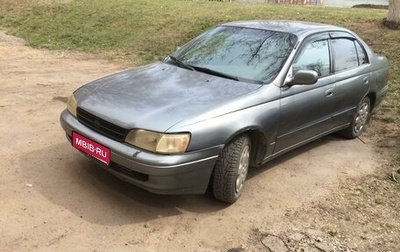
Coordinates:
366 80
329 93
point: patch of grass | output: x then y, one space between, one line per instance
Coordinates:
379 201
384 143
395 161
332 233
388 119
149 29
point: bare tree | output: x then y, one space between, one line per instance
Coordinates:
393 17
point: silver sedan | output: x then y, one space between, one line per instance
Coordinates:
235 97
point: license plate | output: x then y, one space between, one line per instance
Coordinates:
91 148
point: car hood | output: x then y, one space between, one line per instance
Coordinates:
158 96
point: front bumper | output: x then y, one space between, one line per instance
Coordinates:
187 173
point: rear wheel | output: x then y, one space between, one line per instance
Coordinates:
231 169
360 119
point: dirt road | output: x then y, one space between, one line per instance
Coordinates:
54 199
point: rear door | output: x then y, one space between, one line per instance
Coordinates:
352 70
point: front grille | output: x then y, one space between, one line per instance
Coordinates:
101 126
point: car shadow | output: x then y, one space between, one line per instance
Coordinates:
70 180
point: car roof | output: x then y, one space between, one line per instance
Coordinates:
298 28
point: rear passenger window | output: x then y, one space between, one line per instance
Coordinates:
344 54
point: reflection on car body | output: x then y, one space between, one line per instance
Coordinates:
235 97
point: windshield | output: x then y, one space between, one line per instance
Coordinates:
248 54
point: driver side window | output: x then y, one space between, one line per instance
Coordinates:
314 56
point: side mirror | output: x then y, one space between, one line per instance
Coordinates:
304 77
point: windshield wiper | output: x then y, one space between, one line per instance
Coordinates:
181 63
201 69
213 72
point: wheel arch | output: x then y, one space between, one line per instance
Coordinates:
259 143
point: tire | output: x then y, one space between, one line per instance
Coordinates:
359 121
231 169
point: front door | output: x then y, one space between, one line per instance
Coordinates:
306 110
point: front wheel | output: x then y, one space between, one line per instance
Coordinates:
231 169
360 119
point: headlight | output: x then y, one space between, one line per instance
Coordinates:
71 105
159 142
